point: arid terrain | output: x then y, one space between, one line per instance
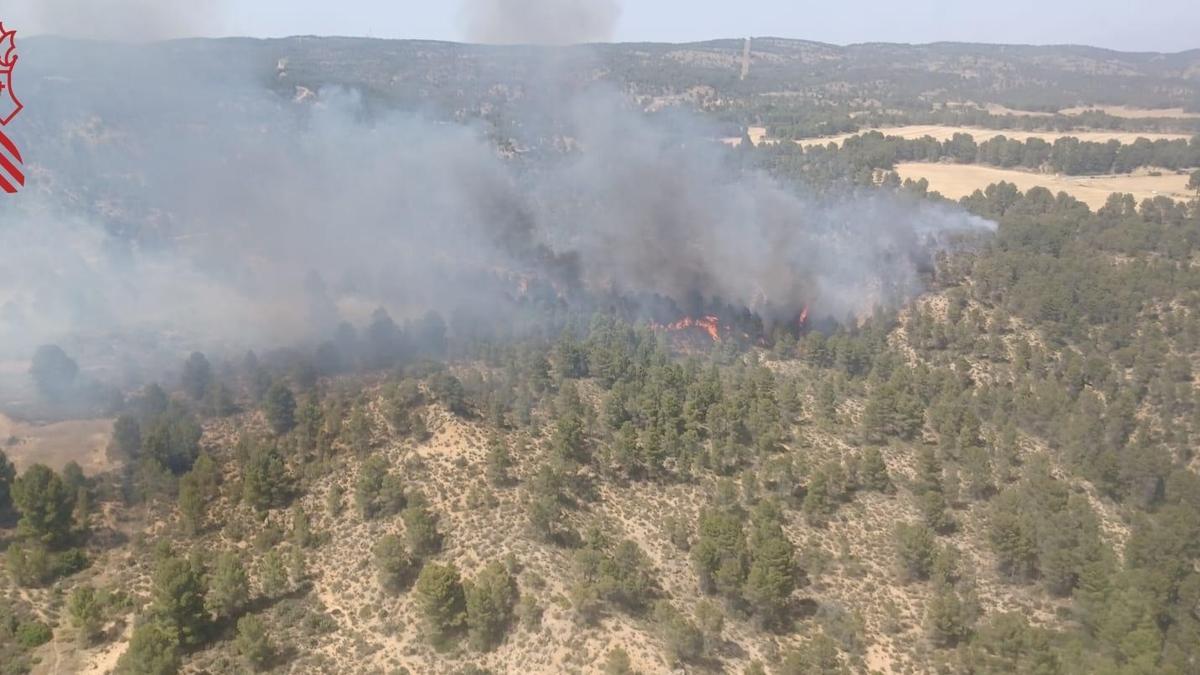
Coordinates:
567 386
959 180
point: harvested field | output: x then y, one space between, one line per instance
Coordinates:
56 445
958 180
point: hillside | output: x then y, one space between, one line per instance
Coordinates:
548 380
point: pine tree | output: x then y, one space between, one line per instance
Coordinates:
420 529
177 597
279 405
229 586
153 650
873 472
490 598
393 563
87 613
45 504
253 643
441 600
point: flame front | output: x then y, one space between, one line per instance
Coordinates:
708 323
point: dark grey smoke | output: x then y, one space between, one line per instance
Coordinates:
541 22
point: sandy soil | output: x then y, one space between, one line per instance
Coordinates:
55 445
943 133
959 180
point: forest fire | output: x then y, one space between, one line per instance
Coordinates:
708 323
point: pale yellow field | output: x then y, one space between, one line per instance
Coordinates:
943 133
958 180
82 441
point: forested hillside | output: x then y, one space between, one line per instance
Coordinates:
994 475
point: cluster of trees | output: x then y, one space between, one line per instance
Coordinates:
193 599
802 122
54 514
1107 389
859 156
483 607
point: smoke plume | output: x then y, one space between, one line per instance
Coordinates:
200 209
542 22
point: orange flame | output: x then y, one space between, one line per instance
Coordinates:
709 324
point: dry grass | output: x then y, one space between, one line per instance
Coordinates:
958 180
55 445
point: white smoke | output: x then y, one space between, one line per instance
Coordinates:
540 22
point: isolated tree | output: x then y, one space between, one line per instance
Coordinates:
683 639
197 376
439 595
916 547
177 597
265 480
448 390
393 563
720 555
86 610
302 535
8 473
771 578
172 438
947 619
420 529
933 511
153 650
499 462
45 504
193 504
229 586
53 372
279 405
873 472
711 619
378 492
253 643
490 598
272 575
126 443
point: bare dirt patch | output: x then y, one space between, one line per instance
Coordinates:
959 180
56 445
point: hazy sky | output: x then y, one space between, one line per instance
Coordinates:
1162 25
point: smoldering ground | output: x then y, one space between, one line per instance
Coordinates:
203 205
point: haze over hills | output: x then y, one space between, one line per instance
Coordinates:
384 356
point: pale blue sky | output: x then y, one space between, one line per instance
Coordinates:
1162 25
1165 25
